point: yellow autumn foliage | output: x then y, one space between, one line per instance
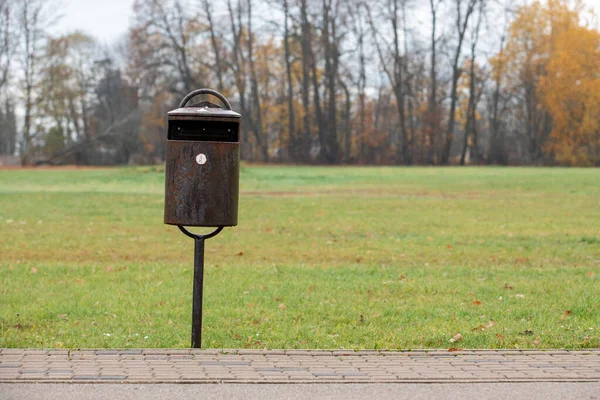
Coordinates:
556 58
571 94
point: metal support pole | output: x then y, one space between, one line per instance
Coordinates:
198 286
198 283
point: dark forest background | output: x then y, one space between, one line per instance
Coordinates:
316 81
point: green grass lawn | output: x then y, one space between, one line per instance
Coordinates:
384 258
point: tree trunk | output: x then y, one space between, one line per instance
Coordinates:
331 72
206 4
239 72
347 132
316 97
461 26
30 21
292 146
471 123
410 130
496 135
306 70
261 141
433 115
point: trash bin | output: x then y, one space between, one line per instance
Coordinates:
202 163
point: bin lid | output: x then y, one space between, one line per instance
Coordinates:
202 110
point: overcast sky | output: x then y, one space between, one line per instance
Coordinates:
107 20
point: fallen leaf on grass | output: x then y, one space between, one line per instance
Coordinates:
34 270
62 316
520 296
566 314
282 306
500 336
483 327
456 338
241 253
449 246
476 302
451 349
507 286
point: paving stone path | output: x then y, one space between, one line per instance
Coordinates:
294 366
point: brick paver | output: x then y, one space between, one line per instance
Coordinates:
293 366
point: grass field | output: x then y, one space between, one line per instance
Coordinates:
394 258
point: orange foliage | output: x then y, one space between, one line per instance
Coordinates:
571 94
552 54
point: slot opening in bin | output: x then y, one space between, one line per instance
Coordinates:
207 131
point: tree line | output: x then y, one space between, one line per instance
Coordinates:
316 81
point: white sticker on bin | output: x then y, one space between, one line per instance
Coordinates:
201 159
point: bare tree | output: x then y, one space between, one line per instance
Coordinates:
470 131
290 84
238 66
433 114
214 41
312 64
161 43
497 153
330 40
305 41
464 9
360 32
6 41
395 74
34 18
255 110
8 129
410 95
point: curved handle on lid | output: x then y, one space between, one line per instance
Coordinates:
205 91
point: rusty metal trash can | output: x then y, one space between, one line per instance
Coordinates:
202 163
